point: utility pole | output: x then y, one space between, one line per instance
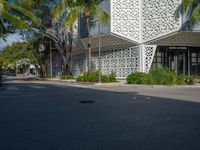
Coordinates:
51 64
99 38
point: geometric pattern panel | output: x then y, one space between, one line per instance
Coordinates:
125 16
109 41
120 61
148 55
159 18
78 64
180 39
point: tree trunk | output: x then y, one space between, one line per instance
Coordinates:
89 44
62 49
64 65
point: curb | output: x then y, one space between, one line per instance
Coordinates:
107 84
161 86
121 84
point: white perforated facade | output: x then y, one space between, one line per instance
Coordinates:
121 61
125 18
136 29
144 20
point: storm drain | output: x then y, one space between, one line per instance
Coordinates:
86 101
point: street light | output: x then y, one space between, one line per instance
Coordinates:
51 63
99 48
99 37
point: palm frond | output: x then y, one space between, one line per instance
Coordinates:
2 26
101 15
186 4
59 8
195 17
1 7
27 13
15 21
72 16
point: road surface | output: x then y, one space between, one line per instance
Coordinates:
37 116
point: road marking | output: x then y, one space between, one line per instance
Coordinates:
12 88
37 87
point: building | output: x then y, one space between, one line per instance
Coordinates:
141 34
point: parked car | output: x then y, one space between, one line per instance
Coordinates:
9 72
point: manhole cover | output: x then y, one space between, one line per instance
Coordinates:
86 101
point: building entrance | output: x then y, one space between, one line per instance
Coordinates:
177 61
172 57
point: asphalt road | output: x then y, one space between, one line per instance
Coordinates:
58 117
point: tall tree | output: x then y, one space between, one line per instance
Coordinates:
192 8
18 56
52 31
88 8
65 33
38 37
42 56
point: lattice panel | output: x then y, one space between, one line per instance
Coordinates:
148 53
125 16
121 61
78 64
160 17
180 39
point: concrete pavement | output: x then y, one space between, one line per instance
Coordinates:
55 116
184 92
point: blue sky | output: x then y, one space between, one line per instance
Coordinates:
11 38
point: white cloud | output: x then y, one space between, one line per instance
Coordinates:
11 38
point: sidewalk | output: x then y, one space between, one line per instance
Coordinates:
123 83
181 92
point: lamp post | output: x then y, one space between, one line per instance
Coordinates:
99 40
51 64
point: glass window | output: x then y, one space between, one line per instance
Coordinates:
194 60
194 54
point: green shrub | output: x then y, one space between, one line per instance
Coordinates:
0 79
159 76
136 78
80 78
148 79
105 78
65 77
163 76
94 77
112 77
181 80
91 78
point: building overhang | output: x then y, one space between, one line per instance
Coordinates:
109 41
181 38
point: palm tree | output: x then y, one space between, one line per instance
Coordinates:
192 7
88 8
8 14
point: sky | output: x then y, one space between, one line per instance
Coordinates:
11 38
